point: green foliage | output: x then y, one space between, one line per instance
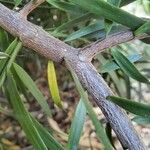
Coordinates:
111 65
141 120
110 12
1 148
17 2
29 83
46 136
131 106
127 66
3 55
5 64
145 28
22 115
77 126
3 39
85 31
108 23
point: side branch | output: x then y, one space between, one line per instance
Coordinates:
29 7
94 48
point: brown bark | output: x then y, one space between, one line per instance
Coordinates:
36 38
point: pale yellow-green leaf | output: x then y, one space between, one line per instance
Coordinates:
52 82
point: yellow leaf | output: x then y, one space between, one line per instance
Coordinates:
52 82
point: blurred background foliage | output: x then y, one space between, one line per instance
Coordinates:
55 101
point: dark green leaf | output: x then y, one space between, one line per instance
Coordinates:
126 2
3 39
113 75
5 64
110 12
48 139
108 23
85 31
29 83
131 106
17 2
127 66
141 120
14 55
8 51
66 6
111 65
145 28
72 22
109 134
22 115
76 127
1 148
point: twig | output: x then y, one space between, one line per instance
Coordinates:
29 7
112 40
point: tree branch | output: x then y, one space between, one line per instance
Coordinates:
94 48
29 7
99 90
36 38
32 36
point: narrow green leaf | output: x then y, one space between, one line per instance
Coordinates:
85 31
3 39
3 55
21 87
127 66
48 139
141 120
101 34
76 126
100 131
110 12
126 2
131 106
12 46
2 78
1 148
114 2
22 115
109 134
146 6
17 2
145 28
111 65
30 85
108 23
113 75
5 64
72 22
8 51
66 6
13 55
52 82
